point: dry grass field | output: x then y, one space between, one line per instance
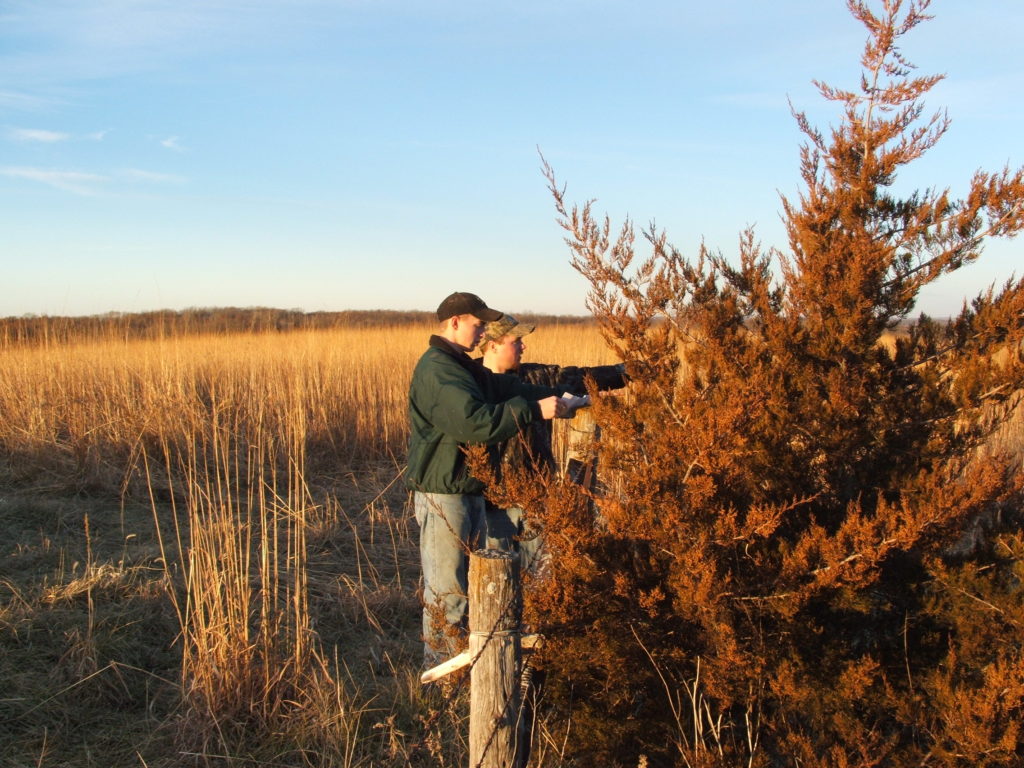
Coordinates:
207 551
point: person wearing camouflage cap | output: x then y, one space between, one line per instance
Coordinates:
502 347
454 401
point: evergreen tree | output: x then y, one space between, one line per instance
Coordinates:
806 550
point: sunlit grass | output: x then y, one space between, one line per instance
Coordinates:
213 531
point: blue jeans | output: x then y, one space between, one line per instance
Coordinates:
451 526
507 531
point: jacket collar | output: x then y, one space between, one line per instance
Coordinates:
441 343
475 367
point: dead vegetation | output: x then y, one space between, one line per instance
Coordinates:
775 572
208 554
208 557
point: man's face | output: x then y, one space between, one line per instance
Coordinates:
469 331
508 352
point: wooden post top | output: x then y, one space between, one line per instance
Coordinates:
494 554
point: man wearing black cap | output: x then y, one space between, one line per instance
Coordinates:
453 402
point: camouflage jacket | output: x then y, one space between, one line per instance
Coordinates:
531 447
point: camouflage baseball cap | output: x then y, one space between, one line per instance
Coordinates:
506 326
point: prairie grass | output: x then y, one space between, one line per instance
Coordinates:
209 556
89 407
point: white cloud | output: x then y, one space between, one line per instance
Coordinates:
171 142
75 182
37 134
88 184
151 177
68 41
23 101
52 137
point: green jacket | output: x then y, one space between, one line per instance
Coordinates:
454 401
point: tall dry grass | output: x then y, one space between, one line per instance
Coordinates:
94 405
287 557
273 466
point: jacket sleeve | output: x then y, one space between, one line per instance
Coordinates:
461 411
573 379
510 385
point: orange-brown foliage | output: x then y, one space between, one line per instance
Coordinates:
773 572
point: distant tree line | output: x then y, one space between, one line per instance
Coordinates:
44 330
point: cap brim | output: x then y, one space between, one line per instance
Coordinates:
489 315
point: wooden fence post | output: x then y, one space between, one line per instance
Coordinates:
494 647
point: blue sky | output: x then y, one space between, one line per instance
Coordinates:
358 154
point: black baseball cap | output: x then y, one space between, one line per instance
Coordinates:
460 303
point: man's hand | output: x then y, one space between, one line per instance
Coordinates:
552 407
